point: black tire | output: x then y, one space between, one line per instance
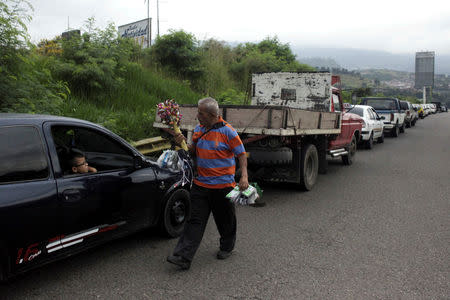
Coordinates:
381 138
395 131
309 167
348 158
413 123
4 259
175 213
402 129
408 125
369 143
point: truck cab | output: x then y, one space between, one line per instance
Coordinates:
351 124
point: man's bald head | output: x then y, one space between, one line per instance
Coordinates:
210 105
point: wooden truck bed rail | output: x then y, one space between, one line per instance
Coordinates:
267 120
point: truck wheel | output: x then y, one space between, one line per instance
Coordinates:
380 140
369 143
402 129
348 158
309 167
175 213
395 131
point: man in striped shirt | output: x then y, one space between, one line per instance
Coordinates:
215 145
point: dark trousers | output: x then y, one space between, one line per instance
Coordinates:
203 201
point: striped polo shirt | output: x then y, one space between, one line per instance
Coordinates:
216 151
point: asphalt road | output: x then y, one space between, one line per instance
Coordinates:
379 229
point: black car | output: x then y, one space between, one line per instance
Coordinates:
48 212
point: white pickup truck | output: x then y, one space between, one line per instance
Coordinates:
389 110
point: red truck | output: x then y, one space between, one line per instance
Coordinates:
294 121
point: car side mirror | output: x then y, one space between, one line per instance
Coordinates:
137 162
382 118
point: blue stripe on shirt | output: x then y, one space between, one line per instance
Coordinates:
215 163
211 180
238 149
211 145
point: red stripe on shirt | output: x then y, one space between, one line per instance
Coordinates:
208 172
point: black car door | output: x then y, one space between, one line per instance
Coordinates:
28 202
109 202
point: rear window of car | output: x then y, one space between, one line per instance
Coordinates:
22 156
381 104
357 110
404 105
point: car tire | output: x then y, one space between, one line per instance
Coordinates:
348 158
402 129
175 213
395 131
408 124
309 167
4 259
380 140
413 123
369 142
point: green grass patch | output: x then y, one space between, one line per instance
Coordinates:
131 112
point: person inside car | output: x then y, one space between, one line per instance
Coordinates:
80 165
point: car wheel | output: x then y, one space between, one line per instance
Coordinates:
413 123
381 138
395 131
309 167
4 259
402 129
175 213
408 124
369 143
348 158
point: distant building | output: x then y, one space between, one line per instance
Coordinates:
69 34
424 69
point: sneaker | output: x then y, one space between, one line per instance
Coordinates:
182 262
223 254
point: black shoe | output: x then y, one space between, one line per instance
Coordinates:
182 262
223 254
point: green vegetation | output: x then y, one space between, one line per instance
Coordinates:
100 77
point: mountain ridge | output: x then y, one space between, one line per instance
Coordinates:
359 59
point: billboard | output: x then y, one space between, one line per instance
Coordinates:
424 69
140 31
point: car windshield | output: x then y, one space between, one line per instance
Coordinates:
381 104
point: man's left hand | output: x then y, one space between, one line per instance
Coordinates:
243 183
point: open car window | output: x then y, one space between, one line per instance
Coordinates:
101 152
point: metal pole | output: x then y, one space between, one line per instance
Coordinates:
157 15
424 97
148 24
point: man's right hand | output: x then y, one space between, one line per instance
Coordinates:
179 138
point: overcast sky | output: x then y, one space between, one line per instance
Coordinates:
396 26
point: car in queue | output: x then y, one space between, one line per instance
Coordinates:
419 110
48 211
411 115
373 126
388 108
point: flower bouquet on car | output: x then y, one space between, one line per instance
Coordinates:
169 112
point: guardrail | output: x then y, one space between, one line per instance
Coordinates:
152 145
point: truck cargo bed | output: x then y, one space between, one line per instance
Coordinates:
267 120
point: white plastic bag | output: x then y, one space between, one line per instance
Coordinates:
169 159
